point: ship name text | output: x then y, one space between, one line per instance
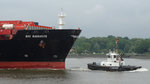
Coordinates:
35 36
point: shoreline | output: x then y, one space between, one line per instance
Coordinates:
104 56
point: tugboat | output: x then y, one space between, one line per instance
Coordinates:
114 62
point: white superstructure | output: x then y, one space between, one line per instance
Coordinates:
61 16
113 59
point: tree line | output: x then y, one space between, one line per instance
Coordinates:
104 44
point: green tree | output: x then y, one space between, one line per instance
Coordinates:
103 44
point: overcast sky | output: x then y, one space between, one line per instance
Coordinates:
101 18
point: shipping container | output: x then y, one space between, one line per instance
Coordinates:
5 32
20 26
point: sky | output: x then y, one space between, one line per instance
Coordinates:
96 18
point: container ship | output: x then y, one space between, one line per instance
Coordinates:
28 45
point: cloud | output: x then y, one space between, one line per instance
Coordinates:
97 9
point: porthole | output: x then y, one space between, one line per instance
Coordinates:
26 55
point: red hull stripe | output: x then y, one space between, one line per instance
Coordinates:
32 65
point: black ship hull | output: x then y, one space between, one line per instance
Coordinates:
37 48
94 66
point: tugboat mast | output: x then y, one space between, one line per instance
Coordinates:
117 40
116 51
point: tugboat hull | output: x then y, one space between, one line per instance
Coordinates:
94 66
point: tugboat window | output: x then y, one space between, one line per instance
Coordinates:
108 56
114 56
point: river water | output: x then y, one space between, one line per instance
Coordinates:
77 73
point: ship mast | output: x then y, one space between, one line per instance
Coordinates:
61 16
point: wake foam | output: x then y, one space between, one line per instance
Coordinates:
79 69
140 70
